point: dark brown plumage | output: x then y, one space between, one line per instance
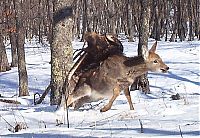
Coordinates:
99 48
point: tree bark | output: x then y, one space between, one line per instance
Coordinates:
190 14
84 19
129 21
11 29
20 40
13 49
61 48
142 82
4 65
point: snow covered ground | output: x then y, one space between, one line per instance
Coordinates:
159 114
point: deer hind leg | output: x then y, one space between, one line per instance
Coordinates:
78 103
84 90
116 92
128 97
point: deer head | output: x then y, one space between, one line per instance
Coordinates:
153 61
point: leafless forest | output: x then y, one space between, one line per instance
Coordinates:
169 20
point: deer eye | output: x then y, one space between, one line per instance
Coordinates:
155 61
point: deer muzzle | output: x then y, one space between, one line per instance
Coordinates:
164 70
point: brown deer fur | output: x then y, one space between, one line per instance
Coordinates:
115 74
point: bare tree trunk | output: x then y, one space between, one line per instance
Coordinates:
11 26
84 19
4 65
190 15
197 18
129 21
76 26
13 50
50 20
113 21
61 48
174 27
20 40
142 82
180 20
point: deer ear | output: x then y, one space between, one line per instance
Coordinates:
153 48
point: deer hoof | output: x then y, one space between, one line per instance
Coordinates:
132 108
104 109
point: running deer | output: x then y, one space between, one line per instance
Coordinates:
113 75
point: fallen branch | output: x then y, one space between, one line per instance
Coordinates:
6 121
9 101
43 95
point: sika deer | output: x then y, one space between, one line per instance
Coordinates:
114 75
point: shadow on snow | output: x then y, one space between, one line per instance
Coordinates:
174 76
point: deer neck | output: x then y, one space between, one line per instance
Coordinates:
137 70
136 66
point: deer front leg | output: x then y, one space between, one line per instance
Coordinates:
128 97
116 92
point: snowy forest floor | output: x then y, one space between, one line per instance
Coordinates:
160 115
